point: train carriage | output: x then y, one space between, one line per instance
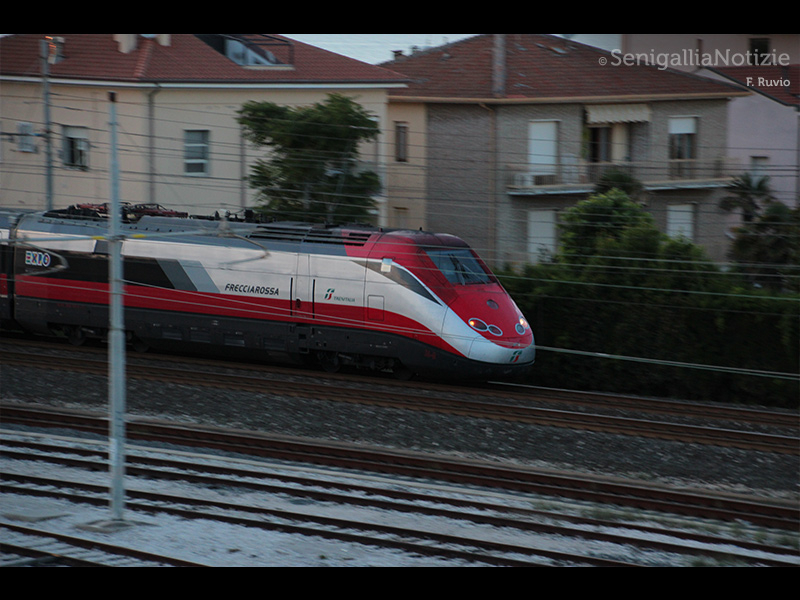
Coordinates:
402 301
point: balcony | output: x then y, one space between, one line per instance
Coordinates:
575 177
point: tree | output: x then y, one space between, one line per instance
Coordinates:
616 178
767 249
747 193
621 288
312 173
609 239
602 216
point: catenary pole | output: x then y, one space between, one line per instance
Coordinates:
47 57
116 335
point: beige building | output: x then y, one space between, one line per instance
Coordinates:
177 97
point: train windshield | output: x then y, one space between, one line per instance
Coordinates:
460 266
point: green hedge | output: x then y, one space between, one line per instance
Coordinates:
716 327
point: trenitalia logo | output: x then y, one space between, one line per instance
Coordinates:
516 356
37 259
331 295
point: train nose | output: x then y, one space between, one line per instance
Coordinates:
493 329
496 316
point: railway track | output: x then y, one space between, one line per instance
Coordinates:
529 407
610 491
771 433
521 535
31 547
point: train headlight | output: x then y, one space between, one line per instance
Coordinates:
481 326
522 326
478 325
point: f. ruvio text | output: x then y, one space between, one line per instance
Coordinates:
764 82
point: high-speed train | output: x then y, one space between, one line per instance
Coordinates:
408 302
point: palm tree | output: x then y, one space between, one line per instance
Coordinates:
768 249
747 193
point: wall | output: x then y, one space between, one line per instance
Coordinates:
460 167
649 152
406 182
22 175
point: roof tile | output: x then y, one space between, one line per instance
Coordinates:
187 58
780 82
539 66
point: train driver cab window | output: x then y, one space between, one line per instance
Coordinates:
459 266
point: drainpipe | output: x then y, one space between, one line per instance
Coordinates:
151 135
491 242
242 168
48 132
499 91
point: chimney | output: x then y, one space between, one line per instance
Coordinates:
499 65
128 42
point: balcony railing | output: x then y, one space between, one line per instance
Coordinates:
579 174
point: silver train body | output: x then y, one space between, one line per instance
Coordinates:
402 301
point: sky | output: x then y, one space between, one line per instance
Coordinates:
374 48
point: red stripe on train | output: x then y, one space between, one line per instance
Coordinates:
220 305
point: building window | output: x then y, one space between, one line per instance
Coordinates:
600 145
75 149
680 221
401 142
542 235
400 219
760 49
543 147
682 137
196 152
246 56
26 137
682 146
759 166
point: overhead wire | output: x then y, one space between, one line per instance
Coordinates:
228 187
230 152
247 305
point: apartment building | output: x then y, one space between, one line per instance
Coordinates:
177 97
764 127
499 133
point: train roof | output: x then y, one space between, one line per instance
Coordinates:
9 218
281 233
348 235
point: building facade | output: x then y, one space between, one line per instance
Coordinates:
764 127
519 127
177 98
